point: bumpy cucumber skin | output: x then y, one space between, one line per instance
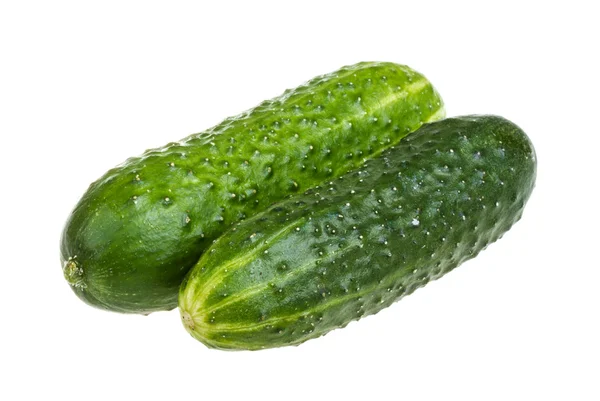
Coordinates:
138 230
353 246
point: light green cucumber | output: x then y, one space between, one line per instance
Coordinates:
138 229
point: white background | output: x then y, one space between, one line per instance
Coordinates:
84 85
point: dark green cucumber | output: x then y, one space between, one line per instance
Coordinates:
352 246
139 229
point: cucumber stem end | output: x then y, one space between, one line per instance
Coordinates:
73 273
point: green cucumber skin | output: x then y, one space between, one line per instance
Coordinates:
353 246
138 229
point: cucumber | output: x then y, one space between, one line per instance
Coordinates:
353 246
137 230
